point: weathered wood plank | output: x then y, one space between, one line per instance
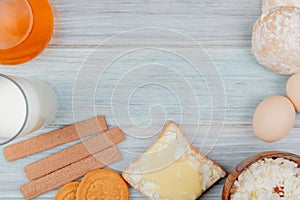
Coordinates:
213 23
245 83
222 27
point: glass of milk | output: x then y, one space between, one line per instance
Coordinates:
25 106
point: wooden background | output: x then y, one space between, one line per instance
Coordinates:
223 28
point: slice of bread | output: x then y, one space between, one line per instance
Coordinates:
172 163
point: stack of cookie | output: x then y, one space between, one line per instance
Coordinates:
69 164
98 184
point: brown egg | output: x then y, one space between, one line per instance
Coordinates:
293 90
274 118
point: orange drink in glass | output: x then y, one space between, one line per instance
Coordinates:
26 27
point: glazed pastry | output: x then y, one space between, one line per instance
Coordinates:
276 40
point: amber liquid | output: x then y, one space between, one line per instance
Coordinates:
36 40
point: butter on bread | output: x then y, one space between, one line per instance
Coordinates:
172 169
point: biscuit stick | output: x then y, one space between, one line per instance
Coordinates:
55 138
74 153
70 173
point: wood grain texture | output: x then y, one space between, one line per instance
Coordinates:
222 27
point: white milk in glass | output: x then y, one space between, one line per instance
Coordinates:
25 106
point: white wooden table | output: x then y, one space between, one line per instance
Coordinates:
223 28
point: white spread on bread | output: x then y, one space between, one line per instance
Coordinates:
172 169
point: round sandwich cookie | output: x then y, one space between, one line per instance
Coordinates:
270 4
67 192
103 184
276 40
36 35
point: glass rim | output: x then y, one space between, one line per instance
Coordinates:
26 109
29 28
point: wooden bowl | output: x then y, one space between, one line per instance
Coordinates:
233 176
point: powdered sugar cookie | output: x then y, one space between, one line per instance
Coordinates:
269 4
276 40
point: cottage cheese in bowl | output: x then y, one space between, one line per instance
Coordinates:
268 179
